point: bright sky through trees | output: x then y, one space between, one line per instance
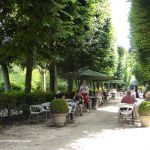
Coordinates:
120 10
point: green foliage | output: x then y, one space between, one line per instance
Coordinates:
15 99
125 65
144 109
59 106
92 44
140 35
62 85
141 73
74 33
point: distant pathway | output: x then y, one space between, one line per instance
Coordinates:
97 130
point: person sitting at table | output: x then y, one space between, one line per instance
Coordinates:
79 100
104 95
60 95
147 96
129 99
99 97
84 89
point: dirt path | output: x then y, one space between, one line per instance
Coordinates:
93 131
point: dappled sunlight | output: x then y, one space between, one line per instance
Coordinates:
113 109
113 139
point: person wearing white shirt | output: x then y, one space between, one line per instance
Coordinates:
85 93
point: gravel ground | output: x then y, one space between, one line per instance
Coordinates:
96 130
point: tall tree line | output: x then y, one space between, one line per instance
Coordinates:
61 35
140 38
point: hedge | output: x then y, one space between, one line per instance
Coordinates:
22 101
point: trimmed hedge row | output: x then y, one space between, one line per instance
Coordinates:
22 101
30 99
11 99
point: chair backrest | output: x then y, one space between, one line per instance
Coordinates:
46 105
35 108
69 100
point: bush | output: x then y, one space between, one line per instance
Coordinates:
59 106
62 85
22 101
144 109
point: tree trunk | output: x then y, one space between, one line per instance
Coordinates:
70 81
43 81
7 85
29 67
43 78
53 77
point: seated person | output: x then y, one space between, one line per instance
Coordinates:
129 99
99 98
104 95
79 100
60 95
147 96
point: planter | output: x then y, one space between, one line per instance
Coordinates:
145 121
59 119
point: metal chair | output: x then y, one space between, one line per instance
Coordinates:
89 106
36 110
71 117
46 106
126 113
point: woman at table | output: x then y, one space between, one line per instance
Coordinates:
79 100
84 89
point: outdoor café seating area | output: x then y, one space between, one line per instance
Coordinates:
40 112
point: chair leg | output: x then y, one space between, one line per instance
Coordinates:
37 118
30 117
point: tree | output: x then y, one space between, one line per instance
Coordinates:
6 33
92 43
140 35
38 26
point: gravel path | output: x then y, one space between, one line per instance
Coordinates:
98 130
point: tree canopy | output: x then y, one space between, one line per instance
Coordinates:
69 34
140 35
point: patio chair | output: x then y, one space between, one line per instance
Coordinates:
126 113
77 108
36 110
46 106
71 117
